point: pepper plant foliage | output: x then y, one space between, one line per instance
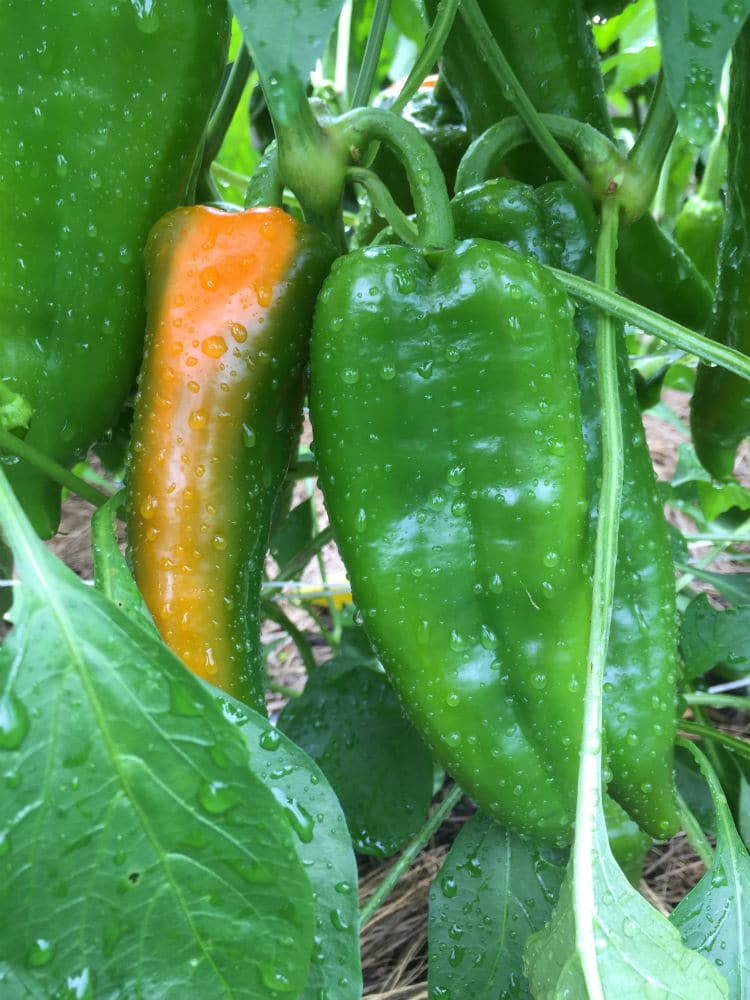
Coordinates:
477 283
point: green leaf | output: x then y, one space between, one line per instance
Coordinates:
112 574
714 919
493 890
349 720
323 846
696 36
606 940
285 37
140 855
712 637
735 587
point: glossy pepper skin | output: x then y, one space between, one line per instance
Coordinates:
102 110
230 302
720 407
698 232
550 47
556 225
447 432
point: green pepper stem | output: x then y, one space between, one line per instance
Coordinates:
490 51
434 44
666 329
589 812
363 126
229 99
648 154
369 66
10 443
411 851
265 187
716 168
384 204
602 164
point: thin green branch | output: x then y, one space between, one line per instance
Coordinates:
412 850
15 446
674 333
695 836
272 611
490 51
434 44
370 59
716 736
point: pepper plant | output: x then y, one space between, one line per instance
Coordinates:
472 240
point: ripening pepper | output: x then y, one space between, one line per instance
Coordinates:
720 407
556 225
447 432
102 111
550 47
218 410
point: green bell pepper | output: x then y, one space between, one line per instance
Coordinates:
555 224
102 110
550 47
720 407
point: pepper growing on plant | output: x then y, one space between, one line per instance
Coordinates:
102 147
651 268
219 405
444 402
720 406
556 225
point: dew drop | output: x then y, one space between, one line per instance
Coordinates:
14 721
214 346
271 739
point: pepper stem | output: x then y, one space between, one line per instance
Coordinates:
647 156
15 446
433 46
490 51
363 126
602 164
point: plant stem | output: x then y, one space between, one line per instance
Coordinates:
230 97
272 611
489 50
716 168
602 164
693 832
385 888
674 333
10 443
648 154
716 736
303 557
369 67
717 700
363 126
434 44
589 813
384 204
